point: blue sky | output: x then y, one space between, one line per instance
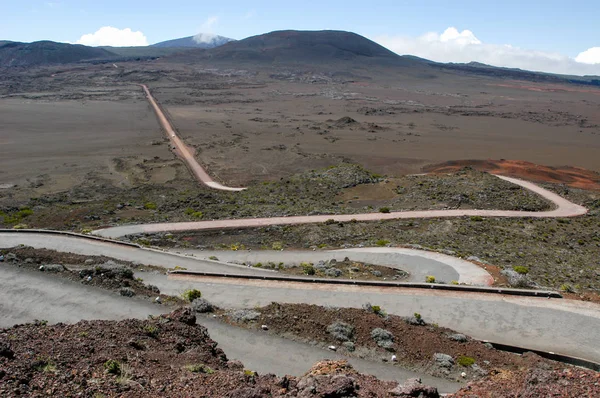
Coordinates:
551 26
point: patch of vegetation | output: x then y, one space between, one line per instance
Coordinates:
519 269
476 218
151 331
384 209
308 268
214 258
341 331
194 213
383 338
150 206
277 246
382 242
465 361
191 294
199 368
430 279
113 367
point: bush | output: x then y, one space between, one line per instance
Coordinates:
112 367
150 206
465 361
214 258
277 246
308 268
330 221
192 294
150 330
193 213
430 279
383 338
384 209
341 331
199 368
476 218
382 242
202 306
519 269
567 288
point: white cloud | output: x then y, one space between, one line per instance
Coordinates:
590 56
207 34
109 36
455 46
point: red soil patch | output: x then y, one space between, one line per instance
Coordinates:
572 176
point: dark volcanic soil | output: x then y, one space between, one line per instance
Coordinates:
168 356
414 342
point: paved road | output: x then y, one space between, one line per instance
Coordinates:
564 208
27 295
182 150
418 263
564 326
558 325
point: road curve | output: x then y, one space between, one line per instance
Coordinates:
564 208
559 325
182 150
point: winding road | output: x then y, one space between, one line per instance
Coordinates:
563 208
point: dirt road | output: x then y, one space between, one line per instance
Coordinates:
182 150
564 208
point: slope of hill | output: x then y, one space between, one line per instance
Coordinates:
46 53
143 51
324 48
198 41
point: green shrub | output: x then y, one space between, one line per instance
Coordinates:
382 242
24 212
465 361
192 294
277 246
308 268
384 209
430 279
258 265
214 258
418 316
376 309
330 221
150 330
150 206
567 288
199 368
519 269
476 218
112 367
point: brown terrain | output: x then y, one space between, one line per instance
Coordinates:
572 176
309 127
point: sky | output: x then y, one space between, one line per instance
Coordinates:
551 35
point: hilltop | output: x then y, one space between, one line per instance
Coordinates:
47 52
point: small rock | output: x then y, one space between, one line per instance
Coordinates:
463 375
127 292
443 360
41 268
394 358
332 348
11 257
414 388
89 278
89 261
264 327
158 300
461 338
28 260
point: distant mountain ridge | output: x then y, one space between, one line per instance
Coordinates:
201 40
327 47
46 53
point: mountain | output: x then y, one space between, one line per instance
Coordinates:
325 48
47 53
202 40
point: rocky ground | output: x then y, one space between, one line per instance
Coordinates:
343 269
343 189
169 356
412 343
